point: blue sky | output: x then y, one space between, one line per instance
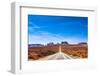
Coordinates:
43 29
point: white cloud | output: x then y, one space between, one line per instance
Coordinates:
46 37
35 26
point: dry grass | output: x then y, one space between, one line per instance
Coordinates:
74 50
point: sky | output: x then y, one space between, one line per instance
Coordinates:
43 29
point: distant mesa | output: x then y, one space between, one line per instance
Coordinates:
64 43
82 43
52 44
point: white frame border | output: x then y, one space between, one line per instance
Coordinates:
16 30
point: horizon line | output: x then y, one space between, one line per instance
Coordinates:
58 43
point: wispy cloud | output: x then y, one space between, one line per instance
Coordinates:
46 37
32 27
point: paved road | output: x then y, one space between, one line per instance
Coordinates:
58 56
